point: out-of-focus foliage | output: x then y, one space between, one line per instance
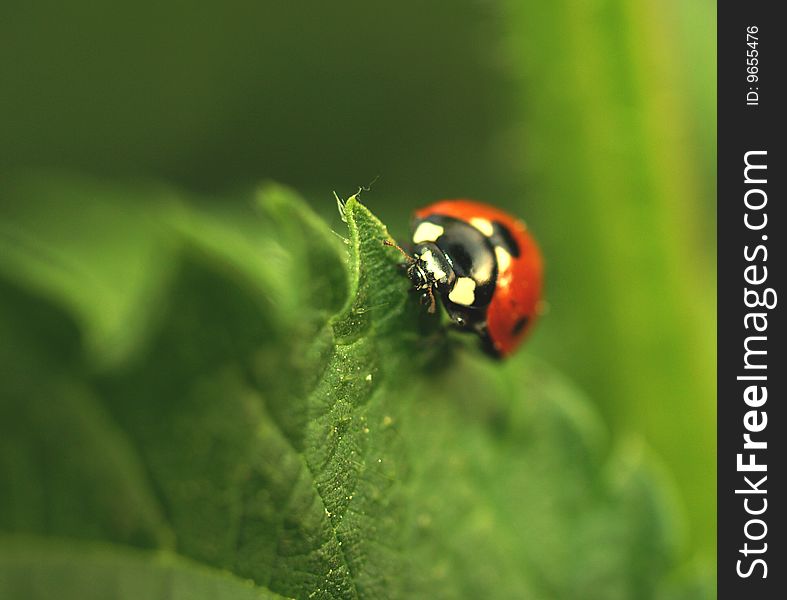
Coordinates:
593 119
271 410
619 148
35 569
218 95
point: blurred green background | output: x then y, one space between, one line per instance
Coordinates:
593 119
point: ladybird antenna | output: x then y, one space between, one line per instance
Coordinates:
407 257
368 186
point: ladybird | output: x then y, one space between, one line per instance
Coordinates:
483 265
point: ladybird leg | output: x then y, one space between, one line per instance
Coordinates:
462 321
426 298
459 321
432 302
481 329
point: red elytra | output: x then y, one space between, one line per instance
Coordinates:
515 304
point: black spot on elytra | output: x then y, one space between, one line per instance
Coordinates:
519 326
502 237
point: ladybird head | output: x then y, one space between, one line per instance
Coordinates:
419 276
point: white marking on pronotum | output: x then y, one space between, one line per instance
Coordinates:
427 232
463 292
432 266
503 259
483 225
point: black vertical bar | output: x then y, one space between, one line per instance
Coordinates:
751 51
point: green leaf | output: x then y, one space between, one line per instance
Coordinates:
31 568
288 413
100 251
